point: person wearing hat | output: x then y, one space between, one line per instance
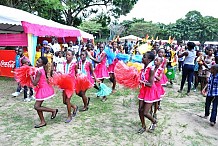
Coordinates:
44 46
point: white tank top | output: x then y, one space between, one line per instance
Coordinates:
190 58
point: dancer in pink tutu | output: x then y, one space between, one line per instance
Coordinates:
43 91
70 69
84 79
164 79
157 79
112 66
101 71
161 53
148 92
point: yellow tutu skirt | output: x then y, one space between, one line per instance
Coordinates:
138 66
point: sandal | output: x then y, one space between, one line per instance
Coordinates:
75 112
180 91
84 109
141 130
39 126
159 107
152 127
68 120
53 116
104 99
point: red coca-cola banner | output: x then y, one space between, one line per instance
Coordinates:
7 62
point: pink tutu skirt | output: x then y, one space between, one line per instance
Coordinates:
101 71
164 80
160 89
43 92
148 94
112 66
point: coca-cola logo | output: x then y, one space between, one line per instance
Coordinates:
7 64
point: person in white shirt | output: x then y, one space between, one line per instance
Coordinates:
59 62
55 46
188 68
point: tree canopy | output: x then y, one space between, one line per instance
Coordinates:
71 12
193 27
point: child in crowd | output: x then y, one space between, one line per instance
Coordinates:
49 66
196 71
70 68
181 60
24 61
43 91
101 71
212 95
208 61
163 79
163 65
84 68
59 62
148 93
157 79
17 65
111 67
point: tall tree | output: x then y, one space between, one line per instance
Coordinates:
91 27
72 10
141 29
85 8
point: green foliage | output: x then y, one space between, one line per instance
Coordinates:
91 27
72 11
141 28
193 27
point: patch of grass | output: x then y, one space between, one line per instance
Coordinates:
114 122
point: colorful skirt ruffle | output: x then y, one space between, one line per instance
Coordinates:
64 82
82 83
126 76
164 79
22 75
101 71
104 90
148 94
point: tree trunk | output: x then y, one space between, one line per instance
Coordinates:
99 34
69 18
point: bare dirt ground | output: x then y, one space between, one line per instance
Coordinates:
114 122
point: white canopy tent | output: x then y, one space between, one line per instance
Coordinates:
210 43
130 38
11 22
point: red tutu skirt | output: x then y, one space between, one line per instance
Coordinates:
22 75
65 82
83 83
126 76
148 94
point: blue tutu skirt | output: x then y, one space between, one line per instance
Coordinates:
110 55
104 90
124 57
137 58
